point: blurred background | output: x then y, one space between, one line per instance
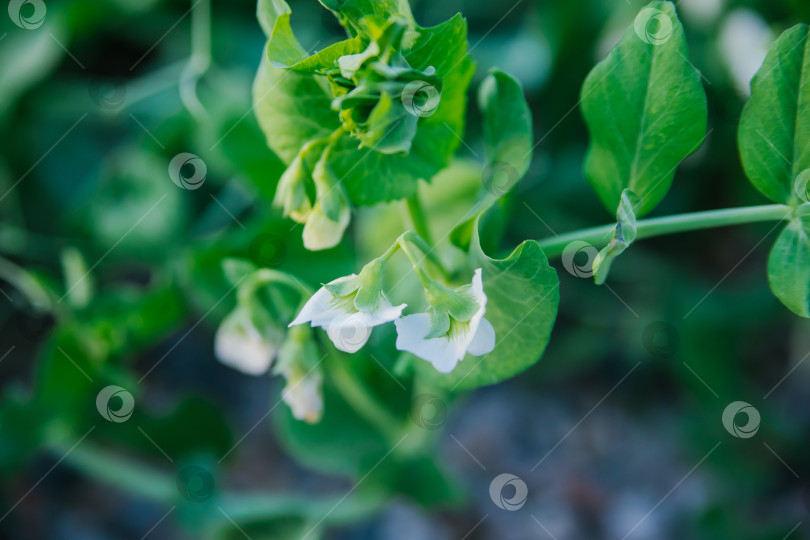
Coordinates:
110 275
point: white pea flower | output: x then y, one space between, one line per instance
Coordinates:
303 396
322 231
443 336
349 307
240 345
331 213
291 192
299 364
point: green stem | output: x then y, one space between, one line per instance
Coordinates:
265 276
361 400
415 263
199 61
159 486
125 474
418 218
410 237
647 228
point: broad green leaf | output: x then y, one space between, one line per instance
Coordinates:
623 236
645 109
775 124
508 144
507 131
789 266
522 298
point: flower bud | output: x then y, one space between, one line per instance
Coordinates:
240 345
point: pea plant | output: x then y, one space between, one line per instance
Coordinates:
370 359
365 120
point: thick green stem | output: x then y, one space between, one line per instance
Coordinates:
647 228
418 218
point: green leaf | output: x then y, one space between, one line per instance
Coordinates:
645 109
292 109
522 298
623 236
284 50
390 127
195 426
775 124
345 443
789 266
508 143
350 12
268 11
342 442
507 131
